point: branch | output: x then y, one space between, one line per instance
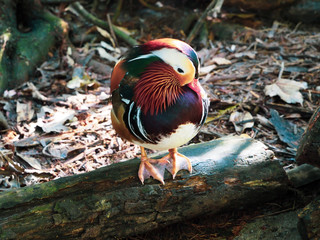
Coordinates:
98 22
215 7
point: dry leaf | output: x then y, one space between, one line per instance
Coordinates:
103 96
81 79
205 54
220 61
75 83
70 60
9 93
58 150
110 48
104 54
292 116
241 120
287 90
5 157
77 78
104 33
33 162
249 54
35 92
9 182
207 69
263 120
25 111
27 142
287 131
56 122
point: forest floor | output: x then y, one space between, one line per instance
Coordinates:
264 82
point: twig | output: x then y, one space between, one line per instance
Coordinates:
215 7
294 30
111 30
125 37
275 213
290 109
89 17
244 121
144 3
118 10
281 71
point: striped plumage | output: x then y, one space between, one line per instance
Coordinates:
158 102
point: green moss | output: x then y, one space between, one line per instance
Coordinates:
69 208
102 205
261 183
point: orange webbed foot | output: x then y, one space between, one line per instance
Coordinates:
177 161
151 168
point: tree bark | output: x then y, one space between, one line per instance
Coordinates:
229 173
309 147
309 220
27 34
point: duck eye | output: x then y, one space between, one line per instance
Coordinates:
180 70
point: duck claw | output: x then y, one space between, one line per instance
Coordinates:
153 169
177 162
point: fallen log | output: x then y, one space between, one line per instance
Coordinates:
228 173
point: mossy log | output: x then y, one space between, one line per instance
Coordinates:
27 34
228 174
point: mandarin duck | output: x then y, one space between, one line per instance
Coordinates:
158 102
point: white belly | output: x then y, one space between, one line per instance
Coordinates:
183 134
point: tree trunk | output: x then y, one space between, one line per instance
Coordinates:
229 173
27 34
